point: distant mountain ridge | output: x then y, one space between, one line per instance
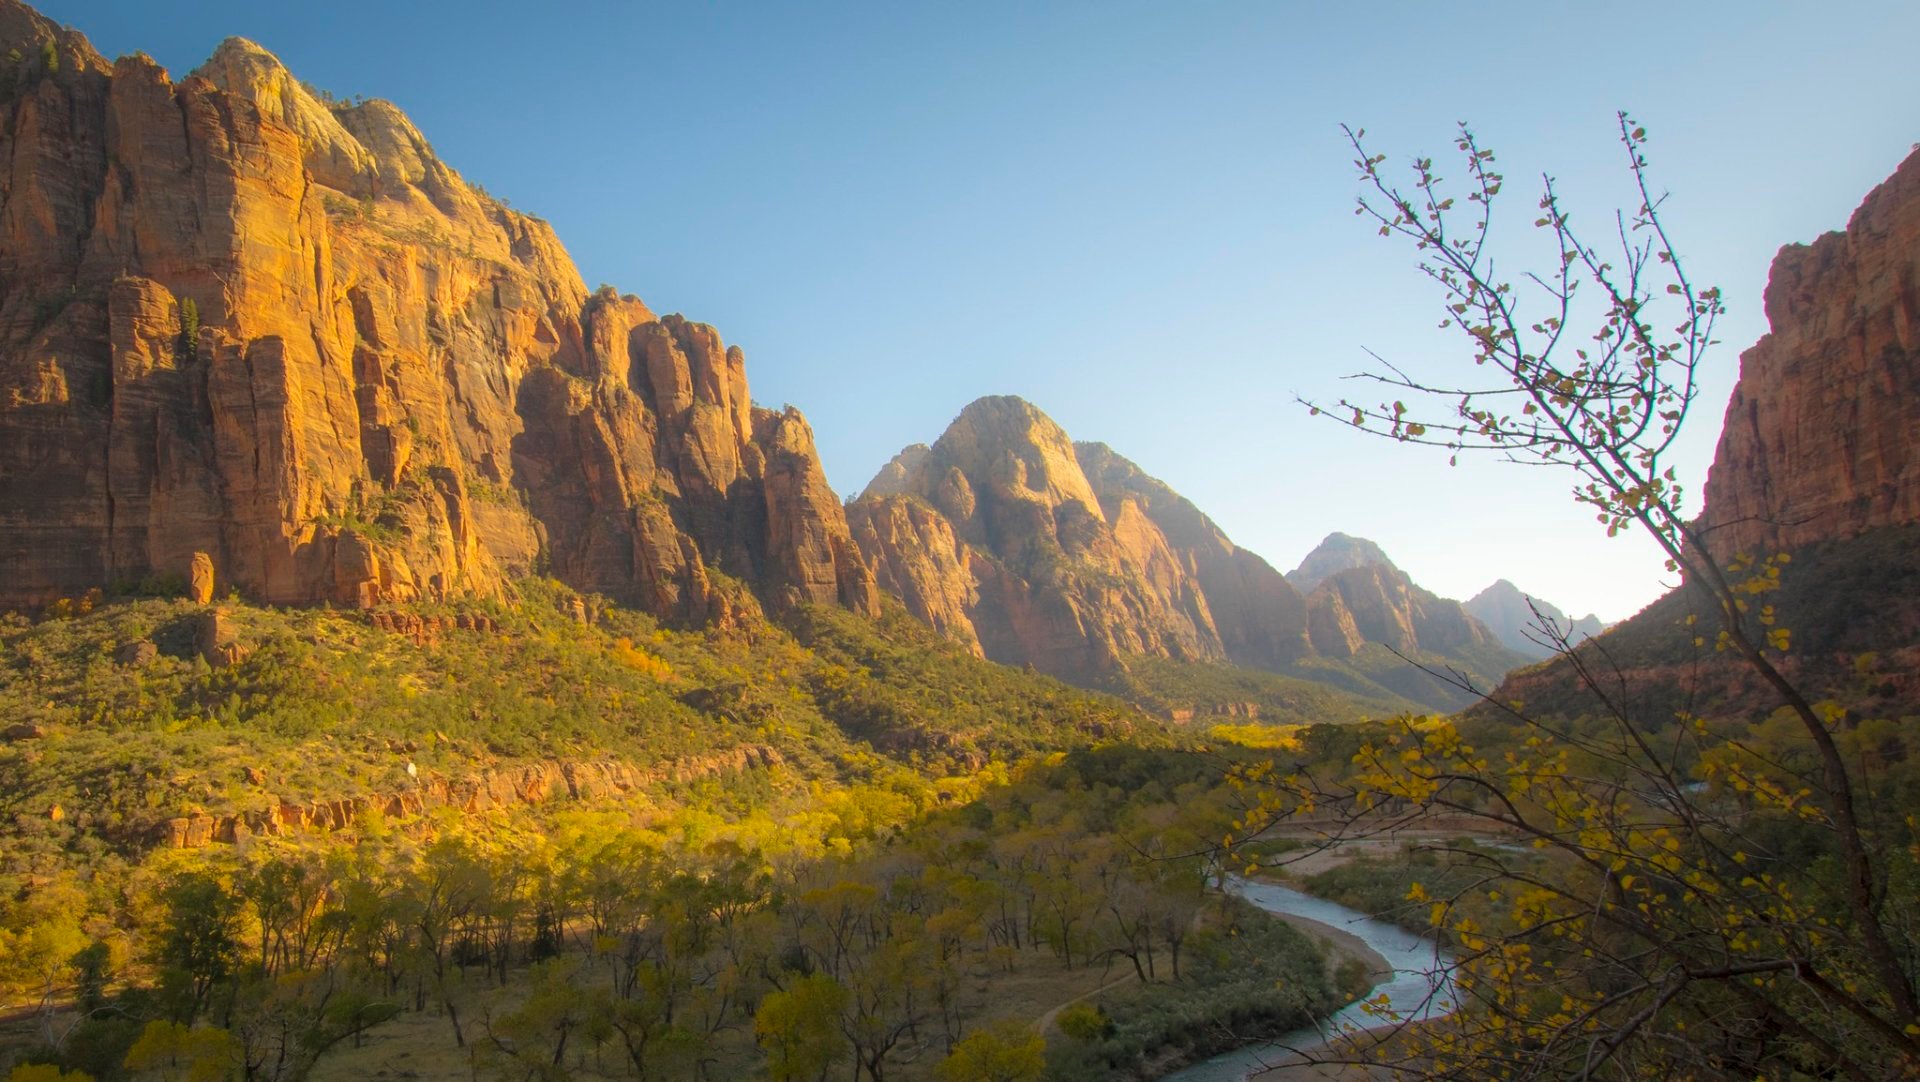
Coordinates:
1040 551
1512 616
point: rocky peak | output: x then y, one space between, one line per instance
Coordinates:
333 156
1005 445
1511 615
1068 557
1377 602
1036 550
1337 552
28 33
897 476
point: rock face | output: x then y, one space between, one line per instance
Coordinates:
1818 457
1819 436
242 321
1035 550
1510 615
1067 557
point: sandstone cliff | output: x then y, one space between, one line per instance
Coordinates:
240 319
1819 441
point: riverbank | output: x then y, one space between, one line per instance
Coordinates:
1403 964
1341 945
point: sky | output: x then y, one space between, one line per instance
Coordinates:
1138 216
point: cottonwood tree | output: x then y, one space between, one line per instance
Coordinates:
1643 918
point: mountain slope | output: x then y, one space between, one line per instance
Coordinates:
119 732
1515 618
238 320
1036 550
1370 618
1026 559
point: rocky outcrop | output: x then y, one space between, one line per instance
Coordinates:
1035 550
242 321
217 640
471 794
810 553
200 579
1335 553
1819 436
917 558
1818 457
427 629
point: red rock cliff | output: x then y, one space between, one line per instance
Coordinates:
1819 436
238 319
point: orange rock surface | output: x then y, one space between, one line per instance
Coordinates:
239 320
1033 549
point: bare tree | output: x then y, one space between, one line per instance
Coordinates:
1641 918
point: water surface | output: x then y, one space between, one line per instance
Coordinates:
1415 990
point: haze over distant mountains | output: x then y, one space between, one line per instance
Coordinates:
1516 618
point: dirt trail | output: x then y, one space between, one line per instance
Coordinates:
1045 1021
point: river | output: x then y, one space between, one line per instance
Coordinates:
1411 991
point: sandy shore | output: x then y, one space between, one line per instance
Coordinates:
1344 943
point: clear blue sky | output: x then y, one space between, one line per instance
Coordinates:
1137 215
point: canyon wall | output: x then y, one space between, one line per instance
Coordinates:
1819 436
242 319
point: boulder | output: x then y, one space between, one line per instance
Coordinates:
134 655
200 579
217 639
